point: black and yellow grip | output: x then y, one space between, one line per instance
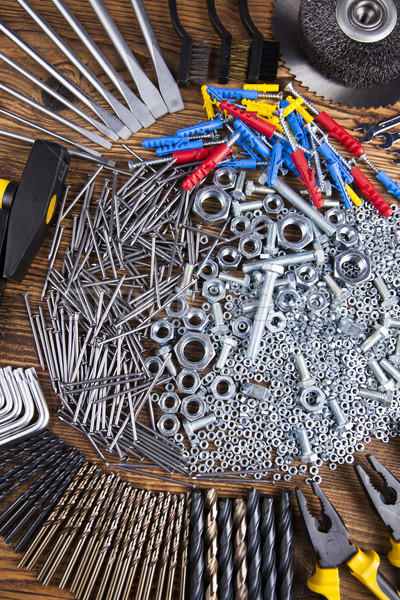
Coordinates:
325 582
394 554
365 567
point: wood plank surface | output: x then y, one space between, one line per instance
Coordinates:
16 343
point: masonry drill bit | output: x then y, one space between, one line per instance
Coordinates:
225 549
184 553
268 569
284 538
211 545
253 515
149 526
57 516
167 548
107 490
240 549
196 559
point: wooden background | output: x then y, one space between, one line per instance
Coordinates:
17 348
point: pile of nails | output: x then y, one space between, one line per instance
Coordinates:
148 262
236 550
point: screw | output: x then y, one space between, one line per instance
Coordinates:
290 259
382 397
385 384
388 299
305 378
271 273
342 422
306 452
192 426
379 333
228 344
252 188
228 278
341 294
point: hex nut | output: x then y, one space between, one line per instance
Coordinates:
273 204
287 299
214 195
239 225
213 290
301 223
162 332
187 405
209 270
225 178
195 319
358 261
241 327
312 399
177 307
169 402
184 377
168 425
153 365
347 236
223 387
256 391
306 276
229 258
276 321
316 301
250 246
199 340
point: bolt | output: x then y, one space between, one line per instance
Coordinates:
237 193
165 353
342 422
252 188
341 294
228 278
306 452
382 397
289 259
239 207
270 248
258 392
391 370
379 333
389 322
395 358
191 426
388 299
287 282
385 384
186 277
220 327
271 273
228 344
305 378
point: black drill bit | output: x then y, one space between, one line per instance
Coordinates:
253 515
225 549
196 559
268 569
284 537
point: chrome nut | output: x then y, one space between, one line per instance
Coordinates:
306 276
188 381
209 270
287 299
194 351
229 258
169 402
273 204
211 195
256 391
225 178
162 332
347 236
276 321
241 327
177 307
352 266
168 425
316 301
295 222
213 290
312 399
250 246
223 387
239 225
195 319
153 365
193 407
261 224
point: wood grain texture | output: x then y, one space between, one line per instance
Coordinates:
16 343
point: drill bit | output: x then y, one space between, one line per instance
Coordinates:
168 541
253 544
211 544
225 549
284 537
196 559
185 552
268 570
240 549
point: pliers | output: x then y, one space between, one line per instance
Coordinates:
387 506
333 548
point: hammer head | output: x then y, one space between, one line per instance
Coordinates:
33 206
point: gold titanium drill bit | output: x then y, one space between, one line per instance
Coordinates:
152 551
135 546
147 533
184 554
70 528
104 492
169 540
91 552
211 544
140 504
107 541
57 517
103 587
240 549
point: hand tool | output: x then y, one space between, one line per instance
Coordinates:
137 107
131 123
334 548
390 139
111 123
375 129
386 505
147 90
194 56
30 206
166 83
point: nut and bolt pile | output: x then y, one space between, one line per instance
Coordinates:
214 337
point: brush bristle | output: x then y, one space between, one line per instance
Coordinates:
199 63
341 58
269 61
239 60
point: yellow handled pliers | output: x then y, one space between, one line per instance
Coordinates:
333 548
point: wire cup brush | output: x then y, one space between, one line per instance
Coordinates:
347 51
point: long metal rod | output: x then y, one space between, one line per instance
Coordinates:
124 114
